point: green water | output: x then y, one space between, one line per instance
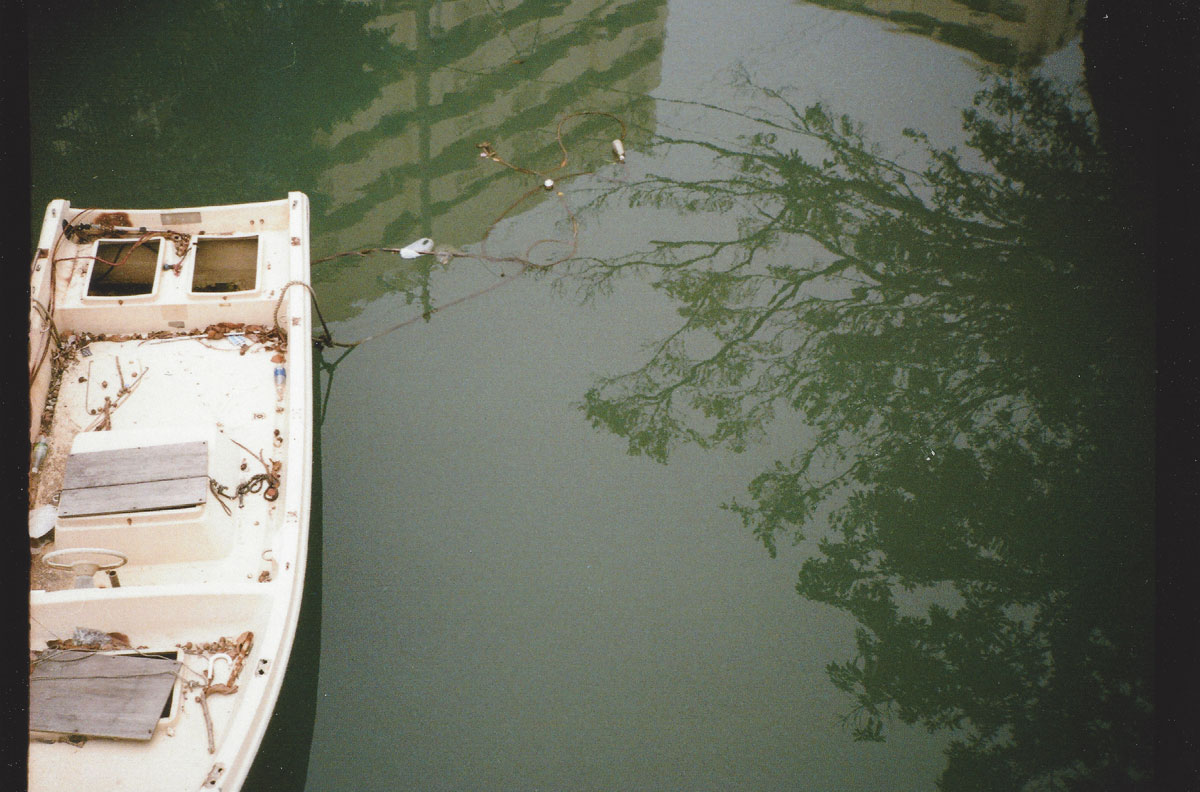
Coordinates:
808 448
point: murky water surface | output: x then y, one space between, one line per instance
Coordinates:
807 448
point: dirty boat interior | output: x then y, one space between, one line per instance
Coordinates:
170 381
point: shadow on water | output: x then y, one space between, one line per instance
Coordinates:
282 761
160 121
971 342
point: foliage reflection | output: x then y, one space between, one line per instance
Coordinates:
970 343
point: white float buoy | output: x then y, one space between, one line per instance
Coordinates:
619 150
414 249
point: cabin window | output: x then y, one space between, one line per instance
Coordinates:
226 265
124 268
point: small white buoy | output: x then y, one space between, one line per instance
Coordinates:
414 249
619 150
548 184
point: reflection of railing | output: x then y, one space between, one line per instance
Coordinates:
407 165
1003 32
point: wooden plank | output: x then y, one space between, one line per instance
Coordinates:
138 464
143 496
99 695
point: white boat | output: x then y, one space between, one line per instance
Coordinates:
171 435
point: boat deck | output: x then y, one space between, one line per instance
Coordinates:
170 377
198 577
149 390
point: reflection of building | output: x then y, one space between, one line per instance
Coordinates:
1006 32
469 71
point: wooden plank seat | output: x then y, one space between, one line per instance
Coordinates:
137 479
97 695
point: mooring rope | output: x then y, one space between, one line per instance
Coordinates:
524 261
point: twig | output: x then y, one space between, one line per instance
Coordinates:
203 699
110 405
257 456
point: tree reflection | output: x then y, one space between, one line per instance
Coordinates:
971 347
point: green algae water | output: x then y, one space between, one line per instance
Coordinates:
809 447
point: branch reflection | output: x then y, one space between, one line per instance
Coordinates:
970 341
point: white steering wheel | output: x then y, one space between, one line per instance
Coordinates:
86 566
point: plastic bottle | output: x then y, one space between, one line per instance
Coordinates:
40 449
280 380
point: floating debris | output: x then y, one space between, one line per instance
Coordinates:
443 253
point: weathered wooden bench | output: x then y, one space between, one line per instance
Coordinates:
138 479
97 695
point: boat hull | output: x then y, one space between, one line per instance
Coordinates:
175 401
